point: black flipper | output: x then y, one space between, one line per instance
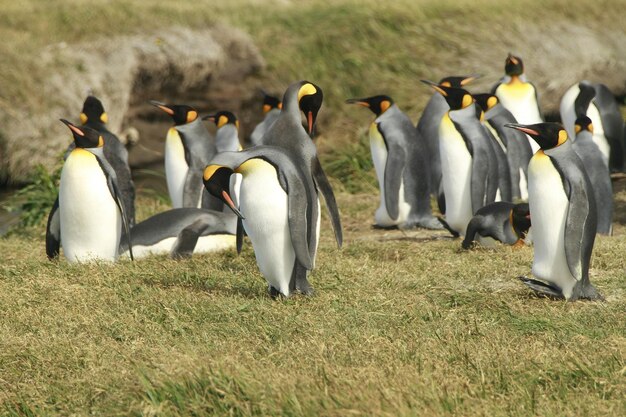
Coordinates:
394 168
193 188
446 226
543 288
327 191
53 231
187 239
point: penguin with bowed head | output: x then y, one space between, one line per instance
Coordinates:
598 172
402 167
88 215
503 221
273 199
564 216
271 110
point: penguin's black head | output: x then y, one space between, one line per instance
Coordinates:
547 135
457 98
216 180
520 218
85 137
513 65
222 118
93 111
310 99
485 101
270 103
181 113
377 104
583 123
457 81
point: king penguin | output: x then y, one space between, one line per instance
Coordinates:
596 101
428 128
518 152
271 111
468 162
563 213
288 134
273 199
401 167
188 149
88 214
503 221
95 117
598 172
181 232
518 95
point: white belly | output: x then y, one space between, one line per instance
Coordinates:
175 167
548 205
205 244
521 101
598 133
90 221
379 157
566 108
456 171
263 203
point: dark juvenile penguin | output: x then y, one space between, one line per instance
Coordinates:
596 101
598 172
188 149
468 162
503 221
271 110
227 135
428 128
273 202
288 134
88 215
518 95
564 215
181 232
95 117
401 167
518 152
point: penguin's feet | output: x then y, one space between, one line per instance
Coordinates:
590 293
471 244
273 292
543 289
378 226
425 223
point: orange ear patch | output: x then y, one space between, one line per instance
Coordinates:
384 105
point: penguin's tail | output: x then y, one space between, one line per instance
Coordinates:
542 288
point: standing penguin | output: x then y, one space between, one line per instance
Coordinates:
188 149
288 134
503 221
401 167
597 102
94 116
273 201
181 232
518 95
428 128
88 214
518 151
468 162
271 110
563 214
598 172
227 135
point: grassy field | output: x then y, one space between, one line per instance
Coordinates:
402 323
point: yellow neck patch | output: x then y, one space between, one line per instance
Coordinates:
266 108
306 90
100 141
467 101
104 117
209 171
562 137
492 101
222 121
83 118
191 116
384 105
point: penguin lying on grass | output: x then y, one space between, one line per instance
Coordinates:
564 216
503 221
182 232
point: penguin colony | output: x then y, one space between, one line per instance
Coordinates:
490 161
